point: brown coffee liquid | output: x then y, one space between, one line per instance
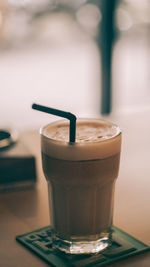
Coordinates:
82 196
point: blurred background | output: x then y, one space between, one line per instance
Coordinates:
87 57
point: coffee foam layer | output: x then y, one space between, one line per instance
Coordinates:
95 139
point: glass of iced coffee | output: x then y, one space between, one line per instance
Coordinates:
81 180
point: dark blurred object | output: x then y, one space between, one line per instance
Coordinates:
105 44
7 139
17 164
124 35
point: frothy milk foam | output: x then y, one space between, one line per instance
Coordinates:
94 140
81 176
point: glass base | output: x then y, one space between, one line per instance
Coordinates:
81 247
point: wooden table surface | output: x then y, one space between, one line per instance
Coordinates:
24 211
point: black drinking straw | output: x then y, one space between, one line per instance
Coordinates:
71 117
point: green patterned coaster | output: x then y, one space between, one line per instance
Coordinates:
123 246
